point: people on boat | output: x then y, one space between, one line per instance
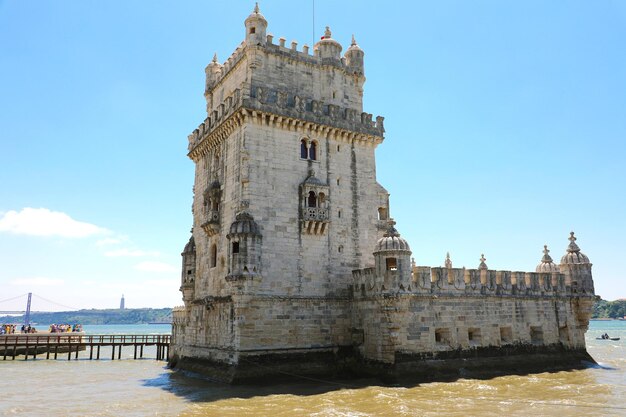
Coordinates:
605 336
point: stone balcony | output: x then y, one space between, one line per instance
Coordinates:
212 224
314 220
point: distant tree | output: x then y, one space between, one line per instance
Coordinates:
603 309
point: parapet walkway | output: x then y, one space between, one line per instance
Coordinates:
31 345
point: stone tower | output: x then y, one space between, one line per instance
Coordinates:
294 266
286 203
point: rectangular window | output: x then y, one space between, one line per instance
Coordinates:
235 247
536 335
474 336
442 336
392 264
506 335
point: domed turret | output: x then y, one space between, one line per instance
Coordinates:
190 247
213 72
188 273
391 240
577 268
574 255
354 58
328 47
392 256
244 224
244 249
256 26
546 265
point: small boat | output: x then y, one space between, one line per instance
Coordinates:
609 338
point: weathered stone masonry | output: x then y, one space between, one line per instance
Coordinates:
294 265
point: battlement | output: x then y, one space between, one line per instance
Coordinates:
290 52
461 281
288 104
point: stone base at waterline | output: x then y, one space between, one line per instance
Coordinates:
346 363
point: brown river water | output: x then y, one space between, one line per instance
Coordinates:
147 388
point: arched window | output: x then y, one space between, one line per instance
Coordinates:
382 213
213 255
392 264
235 247
322 199
304 152
215 204
312 200
313 151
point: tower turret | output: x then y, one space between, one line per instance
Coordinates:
256 27
244 251
328 47
392 257
213 72
188 276
354 59
577 268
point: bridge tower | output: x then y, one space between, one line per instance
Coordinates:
27 314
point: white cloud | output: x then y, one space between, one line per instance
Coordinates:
38 281
44 222
129 252
109 241
153 266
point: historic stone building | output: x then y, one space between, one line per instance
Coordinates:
294 266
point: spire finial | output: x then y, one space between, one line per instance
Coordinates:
448 260
256 7
391 230
214 58
482 265
353 40
327 33
573 247
546 258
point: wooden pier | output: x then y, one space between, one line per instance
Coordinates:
53 344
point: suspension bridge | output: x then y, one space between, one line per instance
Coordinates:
28 298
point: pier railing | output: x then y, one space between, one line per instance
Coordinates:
54 343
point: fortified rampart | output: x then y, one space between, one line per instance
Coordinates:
294 266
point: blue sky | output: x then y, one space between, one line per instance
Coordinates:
505 130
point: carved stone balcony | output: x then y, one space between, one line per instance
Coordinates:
212 224
314 220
